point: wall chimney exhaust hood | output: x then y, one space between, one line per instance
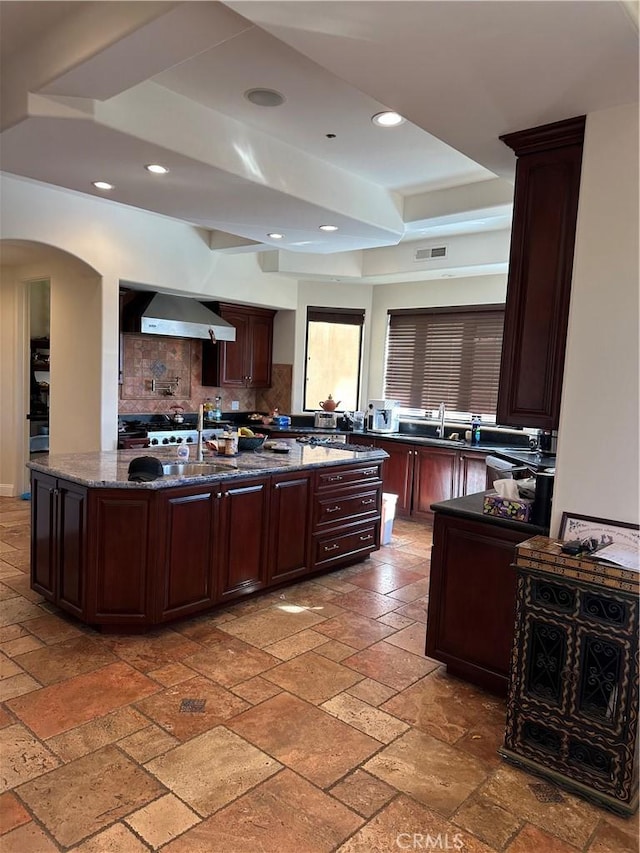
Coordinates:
174 316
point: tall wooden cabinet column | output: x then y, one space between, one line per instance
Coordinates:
540 267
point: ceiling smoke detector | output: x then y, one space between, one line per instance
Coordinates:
264 97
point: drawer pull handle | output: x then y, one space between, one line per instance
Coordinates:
367 503
333 508
366 538
334 479
368 472
331 547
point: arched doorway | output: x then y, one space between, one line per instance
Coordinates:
75 355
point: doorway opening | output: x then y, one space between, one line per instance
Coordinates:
39 366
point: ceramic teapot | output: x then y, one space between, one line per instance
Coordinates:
329 404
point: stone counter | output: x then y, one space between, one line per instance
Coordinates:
109 469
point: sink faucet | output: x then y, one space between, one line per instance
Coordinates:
442 410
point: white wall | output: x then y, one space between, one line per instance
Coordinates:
474 290
598 451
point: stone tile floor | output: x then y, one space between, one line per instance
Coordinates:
306 720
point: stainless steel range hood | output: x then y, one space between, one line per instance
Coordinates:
174 316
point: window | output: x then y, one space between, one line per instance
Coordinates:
449 355
334 355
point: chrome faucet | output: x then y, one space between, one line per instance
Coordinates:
442 410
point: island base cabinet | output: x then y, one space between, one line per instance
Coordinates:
187 543
289 526
472 599
242 538
58 542
121 558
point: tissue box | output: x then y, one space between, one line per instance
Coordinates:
517 509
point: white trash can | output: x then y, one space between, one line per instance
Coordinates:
388 514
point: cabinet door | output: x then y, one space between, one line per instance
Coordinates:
123 540
397 473
260 351
434 478
72 547
187 578
289 525
243 540
472 599
472 473
44 535
540 267
234 355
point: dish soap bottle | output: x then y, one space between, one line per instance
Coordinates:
183 452
475 430
217 413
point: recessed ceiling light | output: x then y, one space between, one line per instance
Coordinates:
388 119
264 97
328 227
275 236
102 185
157 169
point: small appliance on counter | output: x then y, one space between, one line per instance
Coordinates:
325 420
547 441
383 416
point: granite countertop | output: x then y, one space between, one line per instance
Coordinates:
470 506
109 469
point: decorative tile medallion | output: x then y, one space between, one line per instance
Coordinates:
546 793
192 706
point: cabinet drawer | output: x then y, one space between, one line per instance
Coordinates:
331 509
334 547
336 478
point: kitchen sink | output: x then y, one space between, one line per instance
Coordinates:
194 469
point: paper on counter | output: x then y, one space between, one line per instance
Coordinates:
620 554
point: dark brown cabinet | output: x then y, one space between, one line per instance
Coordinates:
59 541
133 557
347 508
472 599
188 549
289 525
434 478
243 530
119 569
420 476
472 473
245 362
540 267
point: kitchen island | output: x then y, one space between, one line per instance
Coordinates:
472 593
125 555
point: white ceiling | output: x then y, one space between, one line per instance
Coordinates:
96 90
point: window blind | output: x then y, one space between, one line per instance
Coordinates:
347 316
444 355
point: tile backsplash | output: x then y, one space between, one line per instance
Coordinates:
145 358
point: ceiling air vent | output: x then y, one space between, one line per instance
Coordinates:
431 253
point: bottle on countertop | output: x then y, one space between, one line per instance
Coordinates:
208 410
475 429
217 411
183 452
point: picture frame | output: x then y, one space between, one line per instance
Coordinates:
605 531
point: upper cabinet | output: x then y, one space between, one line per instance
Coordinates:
245 362
540 267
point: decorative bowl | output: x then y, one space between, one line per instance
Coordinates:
250 442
